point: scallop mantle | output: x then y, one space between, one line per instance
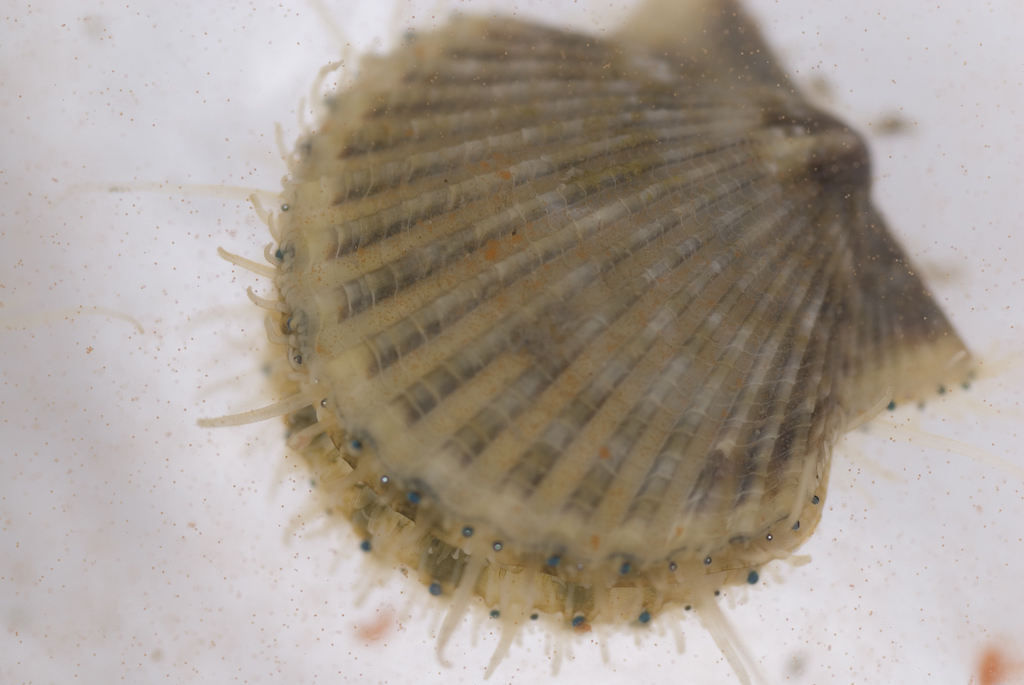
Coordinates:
580 320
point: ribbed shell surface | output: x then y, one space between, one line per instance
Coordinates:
601 304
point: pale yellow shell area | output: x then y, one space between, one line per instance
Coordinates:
578 320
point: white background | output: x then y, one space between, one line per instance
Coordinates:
136 547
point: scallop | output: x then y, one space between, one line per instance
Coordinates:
573 324
137 543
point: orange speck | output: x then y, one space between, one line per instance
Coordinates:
604 453
995 667
491 251
375 629
505 175
582 628
88 350
595 541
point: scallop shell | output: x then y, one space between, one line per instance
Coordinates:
576 322
105 465
588 313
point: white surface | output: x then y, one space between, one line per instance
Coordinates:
136 547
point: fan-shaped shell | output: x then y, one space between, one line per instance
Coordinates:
579 320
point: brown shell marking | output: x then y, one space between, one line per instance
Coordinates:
578 321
